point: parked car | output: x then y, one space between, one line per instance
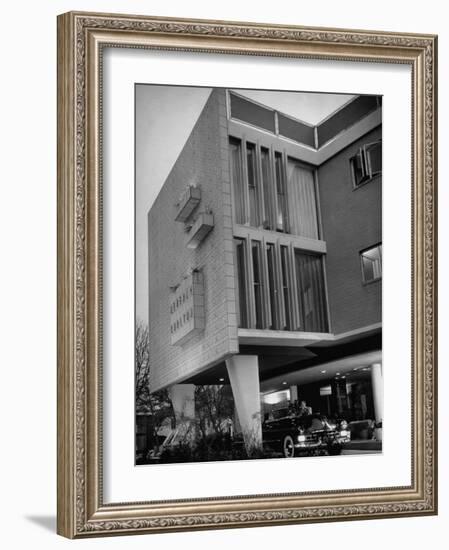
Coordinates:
310 434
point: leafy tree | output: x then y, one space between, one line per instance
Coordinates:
158 404
214 407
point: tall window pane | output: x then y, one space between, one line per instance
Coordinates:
268 191
374 158
359 172
302 208
253 188
311 292
242 277
237 181
258 284
281 214
272 290
286 287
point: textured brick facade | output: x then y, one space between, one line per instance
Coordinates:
352 221
204 163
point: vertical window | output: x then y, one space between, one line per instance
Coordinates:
253 188
267 184
373 153
258 283
358 169
281 213
311 292
286 287
237 181
367 163
242 277
272 287
302 207
259 296
372 264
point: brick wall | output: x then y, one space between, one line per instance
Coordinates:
352 221
203 162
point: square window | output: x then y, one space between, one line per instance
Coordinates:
358 169
366 164
371 259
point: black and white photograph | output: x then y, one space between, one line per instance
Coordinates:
258 266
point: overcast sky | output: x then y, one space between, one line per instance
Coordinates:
165 116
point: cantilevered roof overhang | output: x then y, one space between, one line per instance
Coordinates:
280 363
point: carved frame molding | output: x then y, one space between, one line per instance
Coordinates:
81 39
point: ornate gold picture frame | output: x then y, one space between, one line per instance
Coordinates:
82 40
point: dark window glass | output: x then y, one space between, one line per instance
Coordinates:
247 111
253 188
257 284
311 292
367 163
296 130
272 290
358 169
242 276
372 264
281 221
237 181
267 183
346 117
286 287
374 158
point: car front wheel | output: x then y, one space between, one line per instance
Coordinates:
288 447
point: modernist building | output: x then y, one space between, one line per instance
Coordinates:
265 261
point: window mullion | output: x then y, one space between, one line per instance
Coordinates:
245 178
237 279
285 189
259 183
250 284
268 319
273 193
280 290
286 287
296 323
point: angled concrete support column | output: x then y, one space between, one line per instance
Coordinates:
243 371
378 395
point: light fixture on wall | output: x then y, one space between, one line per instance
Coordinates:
188 201
200 229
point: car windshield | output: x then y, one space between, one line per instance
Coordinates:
314 422
279 413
